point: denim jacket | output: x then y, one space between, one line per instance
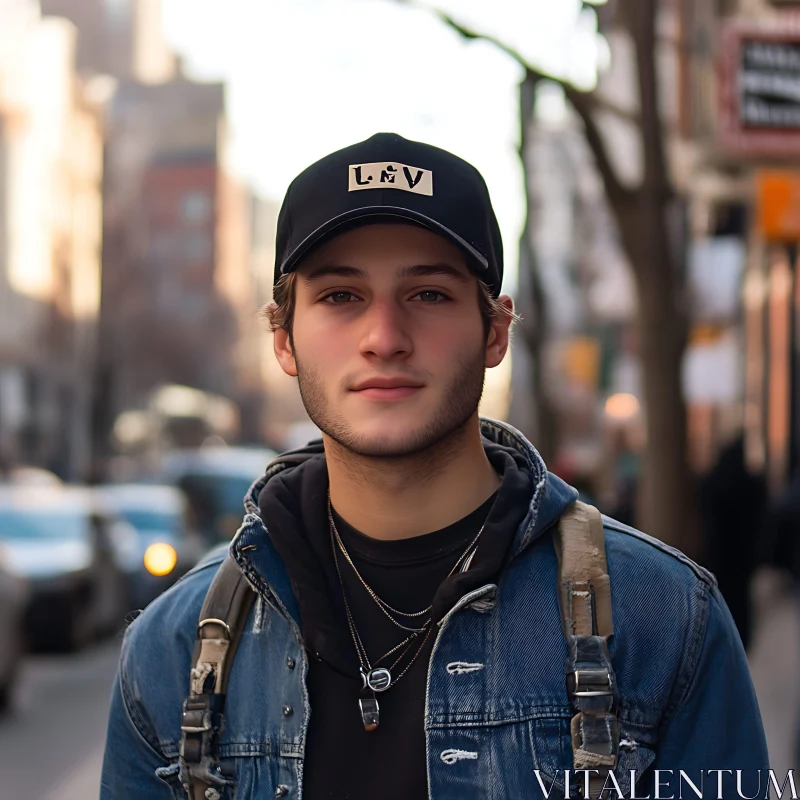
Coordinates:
497 718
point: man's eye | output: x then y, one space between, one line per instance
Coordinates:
430 296
338 298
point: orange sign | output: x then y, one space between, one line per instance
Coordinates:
778 204
582 360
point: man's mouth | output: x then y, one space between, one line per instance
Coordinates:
397 388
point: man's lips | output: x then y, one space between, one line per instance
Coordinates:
387 388
386 383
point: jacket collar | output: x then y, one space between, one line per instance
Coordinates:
253 549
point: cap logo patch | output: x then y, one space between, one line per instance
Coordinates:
390 175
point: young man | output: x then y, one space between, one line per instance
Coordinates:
406 635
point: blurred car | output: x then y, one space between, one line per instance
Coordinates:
71 552
166 546
13 600
215 481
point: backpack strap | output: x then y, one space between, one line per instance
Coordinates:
585 600
222 619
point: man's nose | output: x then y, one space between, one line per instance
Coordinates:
385 331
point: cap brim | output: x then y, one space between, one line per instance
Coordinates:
374 214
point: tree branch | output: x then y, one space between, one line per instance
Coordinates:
640 20
584 103
468 33
598 102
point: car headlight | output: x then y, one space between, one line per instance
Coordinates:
160 558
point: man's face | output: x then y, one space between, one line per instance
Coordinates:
388 342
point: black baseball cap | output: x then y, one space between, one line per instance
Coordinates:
384 178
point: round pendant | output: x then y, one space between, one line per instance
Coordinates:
379 680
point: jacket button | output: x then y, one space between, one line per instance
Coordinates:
288 711
282 791
290 662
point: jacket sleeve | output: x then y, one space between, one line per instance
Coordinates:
716 729
130 761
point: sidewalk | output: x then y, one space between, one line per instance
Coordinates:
775 665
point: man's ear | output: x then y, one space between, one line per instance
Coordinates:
282 345
500 326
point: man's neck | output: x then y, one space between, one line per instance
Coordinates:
404 497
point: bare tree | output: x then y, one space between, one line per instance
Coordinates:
643 215
534 305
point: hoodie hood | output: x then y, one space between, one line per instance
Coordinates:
256 555
551 496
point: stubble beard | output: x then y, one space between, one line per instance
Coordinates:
430 441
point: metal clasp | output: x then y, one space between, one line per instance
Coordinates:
214 621
597 683
196 720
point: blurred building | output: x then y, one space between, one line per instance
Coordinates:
121 38
178 293
167 315
50 240
179 299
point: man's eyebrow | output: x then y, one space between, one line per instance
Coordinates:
332 269
425 270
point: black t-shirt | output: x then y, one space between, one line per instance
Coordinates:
406 574
343 761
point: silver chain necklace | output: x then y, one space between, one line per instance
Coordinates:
387 609
374 677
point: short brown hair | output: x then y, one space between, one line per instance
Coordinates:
280 312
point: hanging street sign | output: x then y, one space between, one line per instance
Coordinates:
759 81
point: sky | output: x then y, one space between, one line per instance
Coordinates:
306 77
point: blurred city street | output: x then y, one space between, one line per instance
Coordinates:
51 744
774 664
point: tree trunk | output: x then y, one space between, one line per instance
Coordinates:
666 508
667 503
534 328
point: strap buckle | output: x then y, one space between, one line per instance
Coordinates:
590 683
196 720
213 621
200 724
